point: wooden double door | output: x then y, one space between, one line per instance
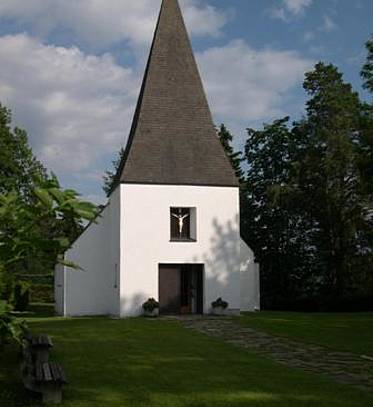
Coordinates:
181 289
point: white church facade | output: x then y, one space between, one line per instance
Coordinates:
170 229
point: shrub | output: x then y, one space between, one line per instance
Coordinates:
150 305
42 293
219 303
21 297
11 328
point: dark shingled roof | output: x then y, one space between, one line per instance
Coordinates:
173 139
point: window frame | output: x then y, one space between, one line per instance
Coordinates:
192 225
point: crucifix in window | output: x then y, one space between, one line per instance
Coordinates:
180 217
180 223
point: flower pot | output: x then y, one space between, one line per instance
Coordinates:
219 311
151 314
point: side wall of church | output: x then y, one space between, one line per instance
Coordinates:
250 280
95 290
145 241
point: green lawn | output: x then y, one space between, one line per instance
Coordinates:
154 363
346 332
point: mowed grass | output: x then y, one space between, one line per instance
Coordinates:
351 332
155 363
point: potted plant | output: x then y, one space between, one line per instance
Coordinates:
151 308
219 306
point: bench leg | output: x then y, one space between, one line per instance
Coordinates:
52 394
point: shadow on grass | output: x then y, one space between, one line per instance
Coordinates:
138 363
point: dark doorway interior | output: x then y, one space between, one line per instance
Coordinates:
181 289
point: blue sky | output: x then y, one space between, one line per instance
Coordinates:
71 69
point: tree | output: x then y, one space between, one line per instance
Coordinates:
366 171
110 176
38 219
366 124
328 181
367 71
21 173
235 157
307 209
22 239
271 224
18 166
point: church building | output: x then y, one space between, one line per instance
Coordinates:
171 228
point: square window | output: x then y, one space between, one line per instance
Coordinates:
183 224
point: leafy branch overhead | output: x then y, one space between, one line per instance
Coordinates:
38 219
21 232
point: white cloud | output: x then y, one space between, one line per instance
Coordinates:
100 23
290 9
297 6
328 24
204 20
309 36
76 107
278 13
318 50
246 84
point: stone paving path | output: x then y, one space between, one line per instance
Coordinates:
343 367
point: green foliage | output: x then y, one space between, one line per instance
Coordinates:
21 295
24 186
219 303
18 167
11 329
235 157
42 293
276 230
4 307
150 305
307 197
38 219
329 173
21 236
367 71
110 177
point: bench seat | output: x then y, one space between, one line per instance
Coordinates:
47 378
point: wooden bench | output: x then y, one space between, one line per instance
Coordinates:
38 374
49 379
40 345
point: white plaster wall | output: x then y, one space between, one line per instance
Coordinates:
59 292
95 291
250 279
145 241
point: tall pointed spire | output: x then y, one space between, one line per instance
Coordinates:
173 139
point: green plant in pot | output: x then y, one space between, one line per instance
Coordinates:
151 308
219 306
